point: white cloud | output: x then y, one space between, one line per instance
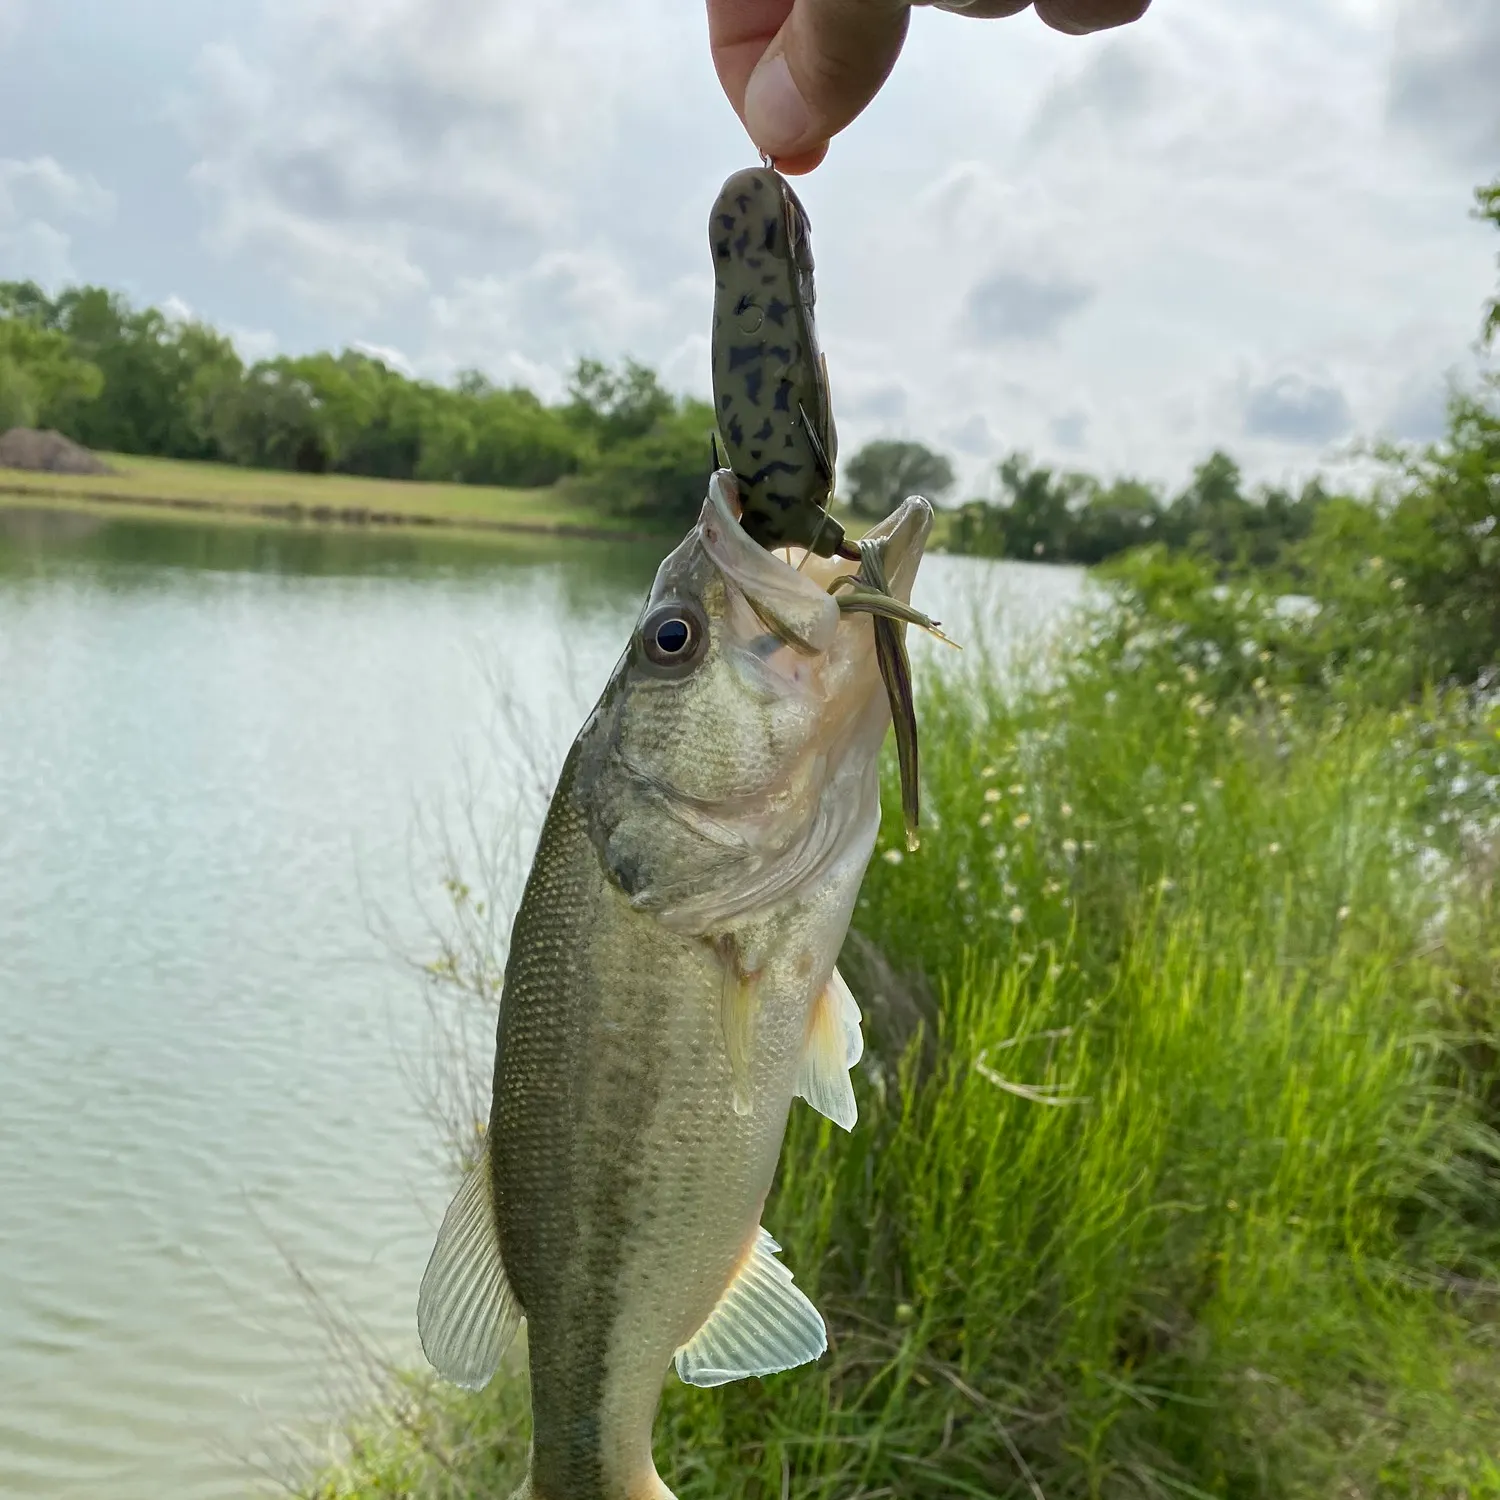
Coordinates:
1070 430
370 150
34 195
1445 76
1017 307
42 186
1418 412
250 344
34 251
1227 225
391 357
564 300
1293 408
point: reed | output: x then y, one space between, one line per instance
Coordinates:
1190 1183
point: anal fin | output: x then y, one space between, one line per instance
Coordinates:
834 1044
466 1312
762 1324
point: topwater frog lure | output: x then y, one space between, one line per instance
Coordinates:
770 379
775 423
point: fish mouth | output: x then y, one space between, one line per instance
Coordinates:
794 603
902 539
806 578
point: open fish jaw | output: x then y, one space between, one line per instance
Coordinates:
719 793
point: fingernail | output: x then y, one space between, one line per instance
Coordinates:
776 115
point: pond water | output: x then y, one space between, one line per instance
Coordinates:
219 747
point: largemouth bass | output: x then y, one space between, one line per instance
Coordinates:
771 398
670 989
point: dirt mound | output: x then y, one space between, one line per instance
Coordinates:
47 453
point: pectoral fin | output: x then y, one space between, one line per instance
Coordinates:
834 1044
762 1324
737 1005
466 1312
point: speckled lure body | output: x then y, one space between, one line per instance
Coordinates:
770 380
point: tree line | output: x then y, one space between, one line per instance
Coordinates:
122 379
127 380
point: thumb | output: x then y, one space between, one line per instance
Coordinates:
825 64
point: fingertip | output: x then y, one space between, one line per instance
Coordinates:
826 64
803 162
776 115
1083 17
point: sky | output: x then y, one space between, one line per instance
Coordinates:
1230 225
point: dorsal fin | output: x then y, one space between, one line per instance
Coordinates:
466 1312
834 1044
762 1324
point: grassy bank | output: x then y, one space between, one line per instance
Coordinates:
147 487
174 486
1177 1170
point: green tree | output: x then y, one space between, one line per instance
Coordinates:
41 377
1487 207
1038 509
1111 519
660 476
613 406
978 530
518 441
152 366
1209 514
19 403
271 420
883 473
1443 541
25 299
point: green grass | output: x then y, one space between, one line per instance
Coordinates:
1197 1190
147 484
147 487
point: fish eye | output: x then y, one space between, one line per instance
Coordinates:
673 636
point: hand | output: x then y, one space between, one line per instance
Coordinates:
798 71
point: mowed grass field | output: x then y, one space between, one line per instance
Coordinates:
141 487
146 484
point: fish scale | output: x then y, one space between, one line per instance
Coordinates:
670 988
654 1171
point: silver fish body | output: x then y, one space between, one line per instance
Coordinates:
670 989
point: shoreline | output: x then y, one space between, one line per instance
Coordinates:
295 513
182 489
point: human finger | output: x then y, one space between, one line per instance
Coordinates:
1079 17
822 66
